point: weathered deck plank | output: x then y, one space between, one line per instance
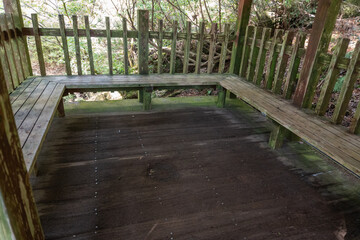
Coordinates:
194 173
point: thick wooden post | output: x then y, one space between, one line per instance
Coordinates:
324 23
147 98
143 41
14 185
221 96
143 46
13 7
241 24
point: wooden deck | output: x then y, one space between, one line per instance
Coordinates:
203 173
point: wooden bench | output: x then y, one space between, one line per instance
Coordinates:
35 101
34 104
332 140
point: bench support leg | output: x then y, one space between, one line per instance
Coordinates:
60 109
35 169
141 96
147 98
221 96
277 136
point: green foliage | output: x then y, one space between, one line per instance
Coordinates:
339 83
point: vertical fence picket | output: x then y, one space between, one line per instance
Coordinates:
283 60
126 55
224 49
331 76
14 48
273 56
89 45
5 64
108 42
160 46
347 86
212 48
77 44
294 66
65 45
260 63
253 54
246 51
355 122
9 62
173 48
187 47
200 46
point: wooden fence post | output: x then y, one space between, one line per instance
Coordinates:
324 23
241 24
13 7
143 41
15 185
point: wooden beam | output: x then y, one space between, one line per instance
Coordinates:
143 41
200 46
242 21
147 98
15 185
221 96
212 47
324 23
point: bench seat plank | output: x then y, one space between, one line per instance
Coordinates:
27 125
20 89
24 110
34 141
326 137
16 105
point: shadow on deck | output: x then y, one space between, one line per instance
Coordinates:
191 173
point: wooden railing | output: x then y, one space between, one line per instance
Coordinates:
202 59
15 65
283 54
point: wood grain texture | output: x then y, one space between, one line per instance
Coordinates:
246 51
77 44
187 47
347 87
173 47
212 47
160 46
334 142
331 76
38 44
260 62
143 41
65 45
108 44
126 54
89 45
273 57
242 21
199 47
324 23
14 185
